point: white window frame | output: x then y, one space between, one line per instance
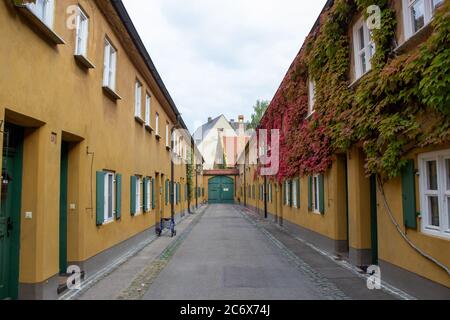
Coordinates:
109 66
44 10
368 49
81 33
311 97
157 123
316 193
148 100
442 193
294 193
167 135
107 210
138 194
174 193
138 99
287 192
429 9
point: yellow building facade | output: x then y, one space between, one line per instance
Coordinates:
399 224
87 142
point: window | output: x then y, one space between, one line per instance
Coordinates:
167 135
175 195
138 100
270 193
109 205
157 124
147 110
311 97
316 193
434 169
417 14
287 193
82 32
44 10
109 71
138 195
294 194
364 48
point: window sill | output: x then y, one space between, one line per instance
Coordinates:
416 39
436 233
149 128
358 80
308 117
111 93
84 62
42 27
139 120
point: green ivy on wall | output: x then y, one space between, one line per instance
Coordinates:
401 104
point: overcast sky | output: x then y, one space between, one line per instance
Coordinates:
218 57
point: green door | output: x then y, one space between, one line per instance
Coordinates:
63 208
374 219
10 211
220 190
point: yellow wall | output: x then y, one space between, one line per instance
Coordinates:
394 249
45 88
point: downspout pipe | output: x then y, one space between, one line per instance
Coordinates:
265 197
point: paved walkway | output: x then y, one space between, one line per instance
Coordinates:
226 252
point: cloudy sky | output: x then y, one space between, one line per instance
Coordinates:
219 57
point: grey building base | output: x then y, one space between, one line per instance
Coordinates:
108 256
360 257
412 283
46 290
319 240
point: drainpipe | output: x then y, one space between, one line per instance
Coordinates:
265 197
196 187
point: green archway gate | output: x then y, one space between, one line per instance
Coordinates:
221 190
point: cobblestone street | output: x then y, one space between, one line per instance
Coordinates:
227 252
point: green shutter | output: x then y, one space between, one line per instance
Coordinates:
171 192
133 181
310 193
290 193
100 198
144 196
167 192
409 195
298 193
153 194
321 194
118 196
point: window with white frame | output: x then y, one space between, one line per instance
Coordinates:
175 187
311 97
434 169
82 32
138 100
109 67
364 48
417 14
147 110
167 135
270 193
138 195
316 193
294 194
157 124
287 192
109 204
44 10
148 192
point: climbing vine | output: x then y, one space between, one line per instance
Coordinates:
402 103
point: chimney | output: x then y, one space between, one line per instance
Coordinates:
209 119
